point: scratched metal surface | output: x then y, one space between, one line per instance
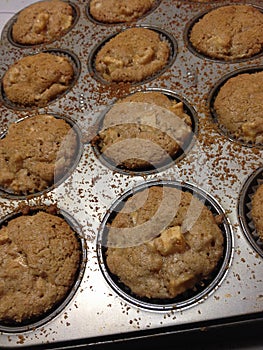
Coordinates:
215 165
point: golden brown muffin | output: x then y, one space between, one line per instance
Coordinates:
229 32
37 79
144 129
132 56
238 106
115 11
39 259
35 153
257 211
163 242
42 22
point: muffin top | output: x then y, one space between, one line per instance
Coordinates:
42 22
143 130
163 242
229 32
39 260
115 11
35 153
37 79
257 210
238 106
132 56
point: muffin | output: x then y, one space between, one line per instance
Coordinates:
132 56
115 11
257 210
145 129
229 33
35 153
37 79
39 261
238 107
163 242
42 22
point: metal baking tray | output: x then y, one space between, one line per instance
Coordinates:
218 168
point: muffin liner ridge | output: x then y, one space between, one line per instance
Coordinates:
244 209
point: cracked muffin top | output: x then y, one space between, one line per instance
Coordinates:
42 22
229 32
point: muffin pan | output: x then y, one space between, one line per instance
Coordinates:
215 166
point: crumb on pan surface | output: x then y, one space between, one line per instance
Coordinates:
37 79
229 32
257 210
39 259
115 11
181 253
144 129
132 55
42 22
36 152
238 106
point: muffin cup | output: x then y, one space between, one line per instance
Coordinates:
73 59
211 100
9 26
57 179
164 36
170 159
202 289
37 321
201 55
